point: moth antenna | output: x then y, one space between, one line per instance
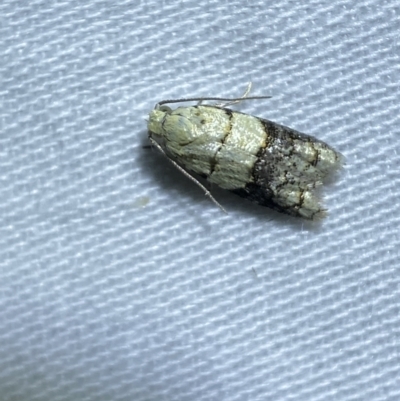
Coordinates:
236 101
229 101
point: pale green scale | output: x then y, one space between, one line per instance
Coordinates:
208 141
327 157
235 160
247 133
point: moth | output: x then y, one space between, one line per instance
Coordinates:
260 160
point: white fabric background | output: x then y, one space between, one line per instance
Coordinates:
120 280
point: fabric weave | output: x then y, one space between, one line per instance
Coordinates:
120 280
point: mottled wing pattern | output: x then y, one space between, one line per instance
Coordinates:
289 169
265 162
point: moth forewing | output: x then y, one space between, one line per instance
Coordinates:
265 162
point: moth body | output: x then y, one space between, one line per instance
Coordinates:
267 163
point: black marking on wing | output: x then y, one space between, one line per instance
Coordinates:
214 161
270 176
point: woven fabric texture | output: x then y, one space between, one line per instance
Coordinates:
120 280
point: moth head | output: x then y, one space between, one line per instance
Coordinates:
156 119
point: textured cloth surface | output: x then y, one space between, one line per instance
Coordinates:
120 280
